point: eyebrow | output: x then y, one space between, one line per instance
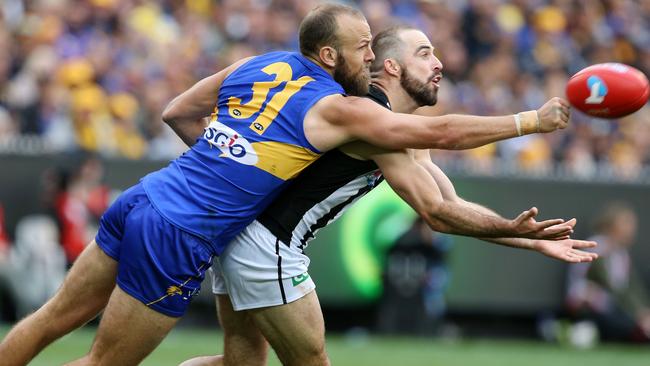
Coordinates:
423 47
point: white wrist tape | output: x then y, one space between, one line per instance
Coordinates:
518 124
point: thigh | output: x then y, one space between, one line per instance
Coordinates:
128 332
296 331
257 270
244 344
85 290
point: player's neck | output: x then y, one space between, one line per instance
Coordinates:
327 69
399 100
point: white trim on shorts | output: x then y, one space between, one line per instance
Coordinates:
258 270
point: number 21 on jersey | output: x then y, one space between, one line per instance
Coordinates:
261 89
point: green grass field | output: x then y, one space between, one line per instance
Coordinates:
378 351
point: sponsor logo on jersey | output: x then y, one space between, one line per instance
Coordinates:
372 178
299 279
231 144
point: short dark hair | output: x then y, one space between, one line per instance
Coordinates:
387 44
320 28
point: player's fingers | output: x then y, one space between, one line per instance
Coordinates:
560 238
548 224
525 215
533 211
557 231
572 222
568 257
563 102
584 255
581 244
553 222
592 256
565 114
579 254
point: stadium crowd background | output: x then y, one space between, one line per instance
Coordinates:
96 74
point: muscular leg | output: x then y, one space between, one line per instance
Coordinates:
296 331
129 332
244 345
243 342
85 291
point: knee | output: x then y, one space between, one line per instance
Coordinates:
313 355
318 356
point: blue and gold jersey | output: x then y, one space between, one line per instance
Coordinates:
254 144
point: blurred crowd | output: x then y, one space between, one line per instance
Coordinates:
96 74
48 240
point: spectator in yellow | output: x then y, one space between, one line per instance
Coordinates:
129 142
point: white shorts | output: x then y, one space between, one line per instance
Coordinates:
257 270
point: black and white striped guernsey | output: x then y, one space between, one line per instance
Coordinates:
321 193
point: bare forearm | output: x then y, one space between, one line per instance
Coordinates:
189 131
457 218
522 243
449 132
467 132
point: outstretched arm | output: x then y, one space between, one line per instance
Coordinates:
412 182
336 119
187 113
562 248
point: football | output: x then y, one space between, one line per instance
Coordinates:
608 90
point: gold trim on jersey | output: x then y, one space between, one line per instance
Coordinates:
283 160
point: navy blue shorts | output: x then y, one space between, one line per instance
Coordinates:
159 264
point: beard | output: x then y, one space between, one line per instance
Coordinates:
423 93
353 83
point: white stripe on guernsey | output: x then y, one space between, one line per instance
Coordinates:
325 206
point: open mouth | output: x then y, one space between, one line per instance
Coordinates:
436 79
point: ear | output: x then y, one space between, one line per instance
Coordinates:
328 56
392 67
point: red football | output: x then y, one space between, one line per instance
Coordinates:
608 90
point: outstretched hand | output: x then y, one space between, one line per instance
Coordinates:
526 226
571 223
567 250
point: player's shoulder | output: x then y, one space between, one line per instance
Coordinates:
283 61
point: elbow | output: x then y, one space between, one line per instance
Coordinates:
169 114
431 213
437 225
